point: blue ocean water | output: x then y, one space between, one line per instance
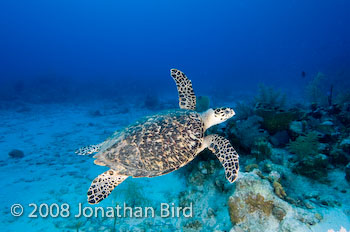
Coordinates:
73 72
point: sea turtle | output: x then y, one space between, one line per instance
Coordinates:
161 143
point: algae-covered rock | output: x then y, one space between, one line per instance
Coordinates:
296 128
326 127
186 198
255 207
261 149
344 117
15 153
347 172
314 167
247 132
345 144
280 139
274 121
251 167
305 146
236 214
256 202
196 178
192 226
339 156
274 176
279 213
293 225
279 190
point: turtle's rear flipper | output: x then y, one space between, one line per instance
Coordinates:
187 99
226 154
103 185
89 149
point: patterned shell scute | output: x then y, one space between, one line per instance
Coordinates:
159 144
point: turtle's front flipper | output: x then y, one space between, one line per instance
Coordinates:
226 154
89 149
187 99
103 185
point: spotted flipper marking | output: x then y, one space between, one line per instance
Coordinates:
103 185
226 154
89 149
187 99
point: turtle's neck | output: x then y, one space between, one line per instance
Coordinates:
208 119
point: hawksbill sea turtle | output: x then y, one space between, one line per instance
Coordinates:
161 143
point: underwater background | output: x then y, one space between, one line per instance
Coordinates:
73 72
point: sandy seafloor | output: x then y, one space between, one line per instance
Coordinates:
51 172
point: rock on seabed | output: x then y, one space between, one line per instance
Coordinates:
255 207
15 153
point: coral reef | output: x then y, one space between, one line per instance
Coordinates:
315 91
342 98
269 196
313 167
244 110
305 146
274 198
275 121
246 132
271 107
280 139
344 115
269 98
261 149
309 162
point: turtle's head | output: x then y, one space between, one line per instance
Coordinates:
212 117
222 114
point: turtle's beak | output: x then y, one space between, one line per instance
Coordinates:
233 113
